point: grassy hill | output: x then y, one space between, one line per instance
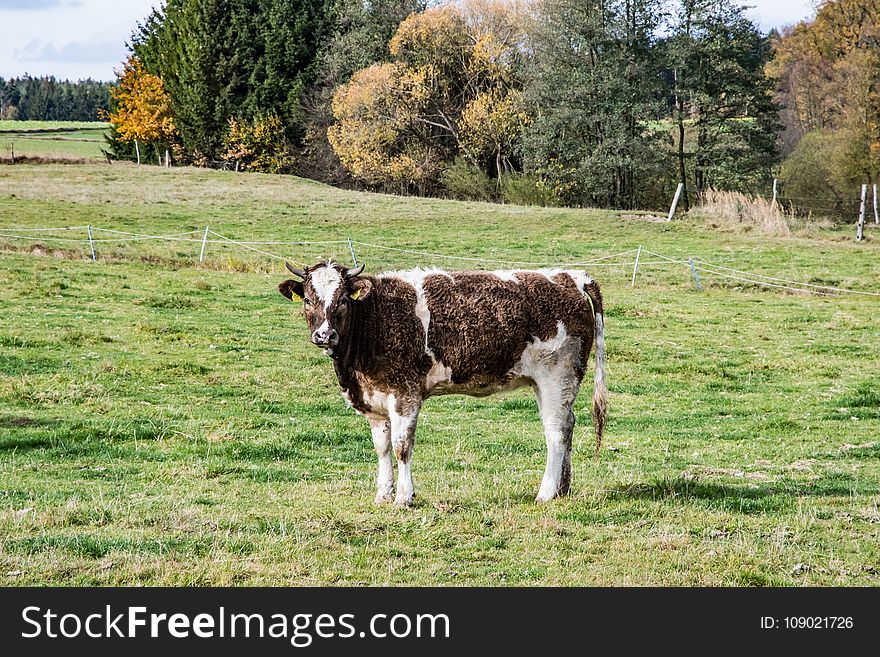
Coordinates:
165 422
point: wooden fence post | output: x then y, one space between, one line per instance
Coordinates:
774 191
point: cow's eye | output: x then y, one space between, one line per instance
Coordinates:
307 302
343 303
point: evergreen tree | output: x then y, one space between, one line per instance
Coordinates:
221 59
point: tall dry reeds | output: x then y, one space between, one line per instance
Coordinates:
737 211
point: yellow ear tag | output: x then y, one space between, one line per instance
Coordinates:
356 294
295 297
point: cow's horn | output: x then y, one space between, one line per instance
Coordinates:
295 271
351 273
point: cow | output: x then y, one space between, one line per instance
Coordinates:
400 337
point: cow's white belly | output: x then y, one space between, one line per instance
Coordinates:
540 362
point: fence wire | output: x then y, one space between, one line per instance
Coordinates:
622 259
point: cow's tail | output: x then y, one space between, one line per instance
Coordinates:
600 390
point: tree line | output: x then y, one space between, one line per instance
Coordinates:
47 99
606 103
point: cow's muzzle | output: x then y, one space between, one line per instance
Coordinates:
325 339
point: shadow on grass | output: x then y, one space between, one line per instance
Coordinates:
23 422
745 498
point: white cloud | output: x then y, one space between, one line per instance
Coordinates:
75 52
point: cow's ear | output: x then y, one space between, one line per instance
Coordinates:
359 288
292 289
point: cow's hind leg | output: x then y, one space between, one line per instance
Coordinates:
556 394
382 442
404 416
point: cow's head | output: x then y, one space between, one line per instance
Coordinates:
329 292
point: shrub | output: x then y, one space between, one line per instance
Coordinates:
259 145
463 180
525 189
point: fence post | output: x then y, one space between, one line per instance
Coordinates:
674 201
91 243
167 159
774 191
353 257
636 267
696 277
876 216
137 149
204 241
860 229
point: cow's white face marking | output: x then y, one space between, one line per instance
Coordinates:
325 282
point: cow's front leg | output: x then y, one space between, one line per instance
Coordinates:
381 430
404 415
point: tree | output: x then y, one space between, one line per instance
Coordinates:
359 38
400 124
142 107
723 95
593 87
828 73
48 99
233 58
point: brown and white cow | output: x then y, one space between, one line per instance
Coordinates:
401 337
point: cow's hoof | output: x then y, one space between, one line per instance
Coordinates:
384 498
403 502
542 499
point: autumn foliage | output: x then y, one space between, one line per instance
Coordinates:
259 145
828 72
452 90
142 107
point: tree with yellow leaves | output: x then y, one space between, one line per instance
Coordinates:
452 90
142 107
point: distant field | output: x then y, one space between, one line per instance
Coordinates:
52 139
165 422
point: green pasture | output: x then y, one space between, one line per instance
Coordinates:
165 422
52 139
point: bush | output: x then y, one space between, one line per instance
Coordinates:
525 189
463 180
260 145
819 176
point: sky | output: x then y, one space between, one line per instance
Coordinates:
75 39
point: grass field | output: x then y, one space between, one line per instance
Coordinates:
52 139
165 422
